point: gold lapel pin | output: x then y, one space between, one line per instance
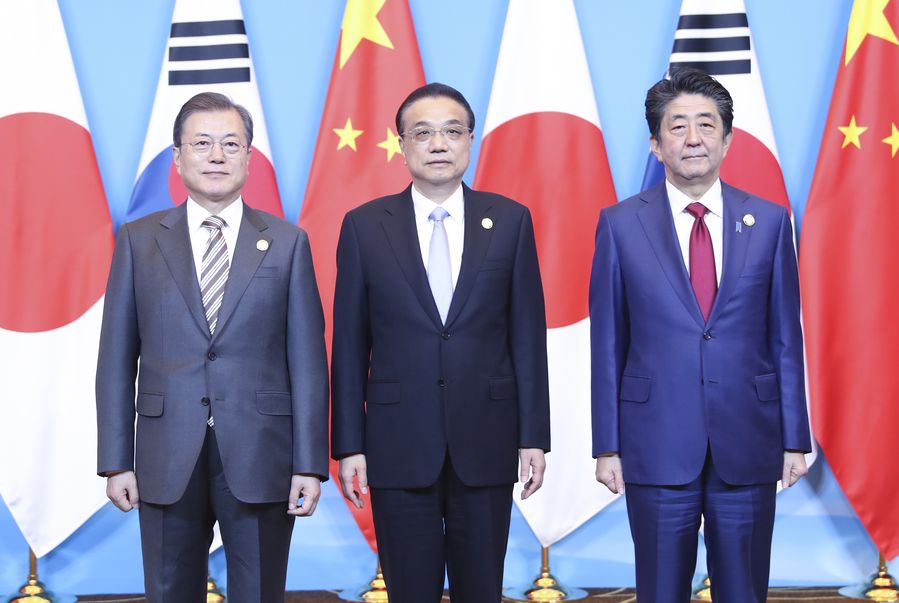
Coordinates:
487 223
748 219
262 244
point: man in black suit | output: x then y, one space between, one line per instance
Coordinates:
439 362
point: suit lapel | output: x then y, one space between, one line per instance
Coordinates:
247 258
659 228
735 245
402 236
174 243
474 248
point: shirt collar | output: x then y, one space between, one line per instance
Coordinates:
454 205
712 199
232 215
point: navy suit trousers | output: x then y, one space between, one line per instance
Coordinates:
665 520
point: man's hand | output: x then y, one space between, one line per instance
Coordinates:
532 466
351 467
121 489
306 487
794 468
608 473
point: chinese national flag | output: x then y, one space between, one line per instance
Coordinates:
849 286
357 155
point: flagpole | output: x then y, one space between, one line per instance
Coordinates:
703 592
373 592
881 586
213 592
33 591
545 586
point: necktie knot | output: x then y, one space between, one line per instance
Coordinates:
438 215
213 223
697 209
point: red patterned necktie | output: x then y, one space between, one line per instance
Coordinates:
702 260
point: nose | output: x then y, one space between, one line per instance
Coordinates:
217 153
693 137
438 142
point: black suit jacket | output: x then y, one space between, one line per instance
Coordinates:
406 388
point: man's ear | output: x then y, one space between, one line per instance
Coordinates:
654 147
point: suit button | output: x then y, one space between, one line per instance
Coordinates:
211 356
707 335
441 382
445 335
204 401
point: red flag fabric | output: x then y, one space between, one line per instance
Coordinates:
357 155
847 254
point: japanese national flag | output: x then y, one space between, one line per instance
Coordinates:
55 249
543 147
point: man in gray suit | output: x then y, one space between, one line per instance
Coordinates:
213 308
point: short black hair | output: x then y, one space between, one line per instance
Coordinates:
433 90
687 80
210 101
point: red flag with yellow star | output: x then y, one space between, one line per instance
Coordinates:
357 156
850 242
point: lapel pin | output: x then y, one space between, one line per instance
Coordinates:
487 223
748 219
262 245
738 227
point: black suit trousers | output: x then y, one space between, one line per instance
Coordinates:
447 526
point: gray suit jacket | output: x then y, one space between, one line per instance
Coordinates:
263 374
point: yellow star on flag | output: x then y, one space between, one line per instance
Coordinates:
867 19
360 22
391 144
851 134
892 140
347 135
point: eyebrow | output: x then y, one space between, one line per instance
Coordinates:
705 114
430 124
228 135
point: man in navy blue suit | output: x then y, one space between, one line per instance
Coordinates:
439 363
697 366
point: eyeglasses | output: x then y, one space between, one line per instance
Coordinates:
452 133
203 147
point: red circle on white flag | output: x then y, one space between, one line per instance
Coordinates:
752 167
555 164
56 234
259 192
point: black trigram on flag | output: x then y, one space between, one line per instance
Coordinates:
719 44
208 52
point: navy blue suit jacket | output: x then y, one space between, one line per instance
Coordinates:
406 388
668 385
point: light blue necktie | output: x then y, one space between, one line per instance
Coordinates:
440 274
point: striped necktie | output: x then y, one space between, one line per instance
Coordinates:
214 270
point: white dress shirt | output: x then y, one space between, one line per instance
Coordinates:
714 221
199 236
454 224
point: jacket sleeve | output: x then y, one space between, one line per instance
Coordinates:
351 347
117 363
785 341
609 334
527 325
308 365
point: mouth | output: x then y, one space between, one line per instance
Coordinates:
439 163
